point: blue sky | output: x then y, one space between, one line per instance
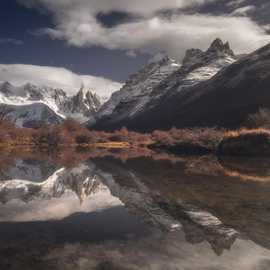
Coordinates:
114 38
18 22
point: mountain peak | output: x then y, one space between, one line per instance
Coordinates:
217 43
217 49
85 100
86 93
6 88
220 48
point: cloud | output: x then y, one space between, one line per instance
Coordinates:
11 41
244 10
76 22
19 74
67 8
235 3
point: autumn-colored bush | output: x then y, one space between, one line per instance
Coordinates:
71 132
50 137
84 139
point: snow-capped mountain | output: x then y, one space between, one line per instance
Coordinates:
156 82
136 93
82 106
29 103
223 99
31 116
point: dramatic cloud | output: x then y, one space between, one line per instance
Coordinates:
11 41
244 10
56 77
140 7
76 22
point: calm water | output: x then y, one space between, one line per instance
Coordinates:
172 213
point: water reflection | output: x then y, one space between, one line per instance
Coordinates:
158 212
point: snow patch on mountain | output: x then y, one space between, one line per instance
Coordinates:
205 72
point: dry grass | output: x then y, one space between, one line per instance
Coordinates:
245 131
117 145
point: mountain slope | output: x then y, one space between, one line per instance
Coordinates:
198 66
30 116
226 100
136 93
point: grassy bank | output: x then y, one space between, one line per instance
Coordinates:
245 142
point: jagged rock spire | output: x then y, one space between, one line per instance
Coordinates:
219 47
216 50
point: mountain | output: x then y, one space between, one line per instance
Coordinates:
137 91
81 106
27 100
158 82
225 100
31 116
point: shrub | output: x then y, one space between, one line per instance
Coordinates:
51 138
83 139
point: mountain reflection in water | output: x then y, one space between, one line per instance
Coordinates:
148 212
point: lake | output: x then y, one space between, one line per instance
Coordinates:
125 211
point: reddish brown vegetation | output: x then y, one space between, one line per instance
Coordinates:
71 133
68 133
206 137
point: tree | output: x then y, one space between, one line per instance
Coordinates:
83 139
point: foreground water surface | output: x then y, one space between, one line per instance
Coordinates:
144 212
